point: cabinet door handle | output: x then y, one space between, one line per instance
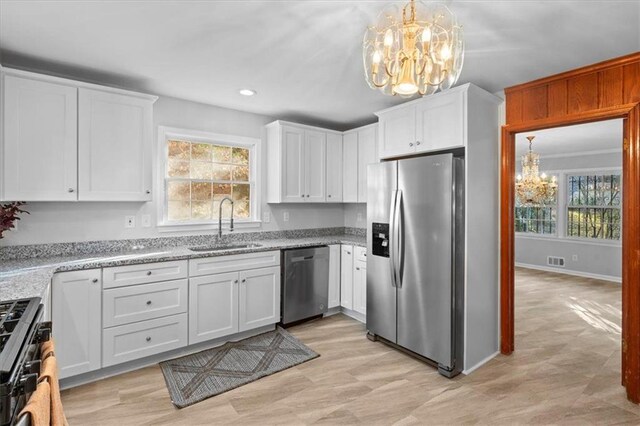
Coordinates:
95 280
302 195
148 302
148 339
417 142
348 252
329 195
70 189
244 280
307 195
236 281
410 143
148 272
148 192
357 269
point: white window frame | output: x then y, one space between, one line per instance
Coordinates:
562 208
255 161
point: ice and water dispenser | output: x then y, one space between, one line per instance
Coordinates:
380 239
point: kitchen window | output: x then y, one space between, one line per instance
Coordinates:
593 206
200 170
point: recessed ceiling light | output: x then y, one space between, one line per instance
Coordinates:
247 92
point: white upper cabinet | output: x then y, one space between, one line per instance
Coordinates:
65 140
316 166
334 168
350 167
433 123
297 163
366 156
39 151
114 146
440 122
397 131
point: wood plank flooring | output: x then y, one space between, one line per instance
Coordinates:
566 369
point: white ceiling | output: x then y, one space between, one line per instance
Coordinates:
303 57
599 136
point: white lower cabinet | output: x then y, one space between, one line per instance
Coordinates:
77 327
139 339
334 276
98 325
360 287
213 306
346 277
259 298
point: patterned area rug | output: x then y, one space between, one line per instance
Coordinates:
199 376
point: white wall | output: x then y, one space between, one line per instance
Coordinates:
64 222
353 212
594 258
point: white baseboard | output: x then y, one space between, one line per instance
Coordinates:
570 272
355 315
103 373
469 370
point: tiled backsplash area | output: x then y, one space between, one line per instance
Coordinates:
107 246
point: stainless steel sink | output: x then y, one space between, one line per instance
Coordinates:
225 247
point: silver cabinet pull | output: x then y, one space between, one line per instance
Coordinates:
236 281
348 252
148 302
244 280
357 269
95 280
302 195
148 192
148 272
417 142
307 195
410 143
148 339
329 195
70 189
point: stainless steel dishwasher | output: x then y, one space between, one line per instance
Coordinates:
305 283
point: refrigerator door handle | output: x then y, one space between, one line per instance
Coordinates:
392 238
399 249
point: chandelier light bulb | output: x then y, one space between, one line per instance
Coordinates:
413 48
519 177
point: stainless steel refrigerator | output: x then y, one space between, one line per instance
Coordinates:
415 257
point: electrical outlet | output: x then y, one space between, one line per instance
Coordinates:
359 217
129 221
266 217
285 216
574 257
146 221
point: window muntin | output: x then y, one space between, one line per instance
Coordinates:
200 174
593 206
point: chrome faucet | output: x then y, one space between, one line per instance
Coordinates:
220 216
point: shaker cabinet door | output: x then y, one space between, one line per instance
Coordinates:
259 298
76 306
334 168
316 166
213 306
114 147
397 132
39 141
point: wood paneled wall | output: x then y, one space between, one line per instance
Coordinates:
604 85
603 91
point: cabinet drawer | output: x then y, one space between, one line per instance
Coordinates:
120 276
141 339
360 253
143 302
232 263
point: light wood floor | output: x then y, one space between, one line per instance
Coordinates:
566 369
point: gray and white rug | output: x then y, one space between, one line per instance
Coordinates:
199 376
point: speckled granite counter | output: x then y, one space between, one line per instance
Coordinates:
30 277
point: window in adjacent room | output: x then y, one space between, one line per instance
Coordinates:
593 206
537 219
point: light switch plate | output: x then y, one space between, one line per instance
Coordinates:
146 221
285 216
266 217
129 221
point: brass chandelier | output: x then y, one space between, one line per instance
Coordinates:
415 49
533 188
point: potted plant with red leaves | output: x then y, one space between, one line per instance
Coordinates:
9 214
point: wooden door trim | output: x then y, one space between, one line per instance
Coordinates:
542 113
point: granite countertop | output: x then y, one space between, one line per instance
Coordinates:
30 277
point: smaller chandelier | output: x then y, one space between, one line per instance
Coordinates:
533 188
416 49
